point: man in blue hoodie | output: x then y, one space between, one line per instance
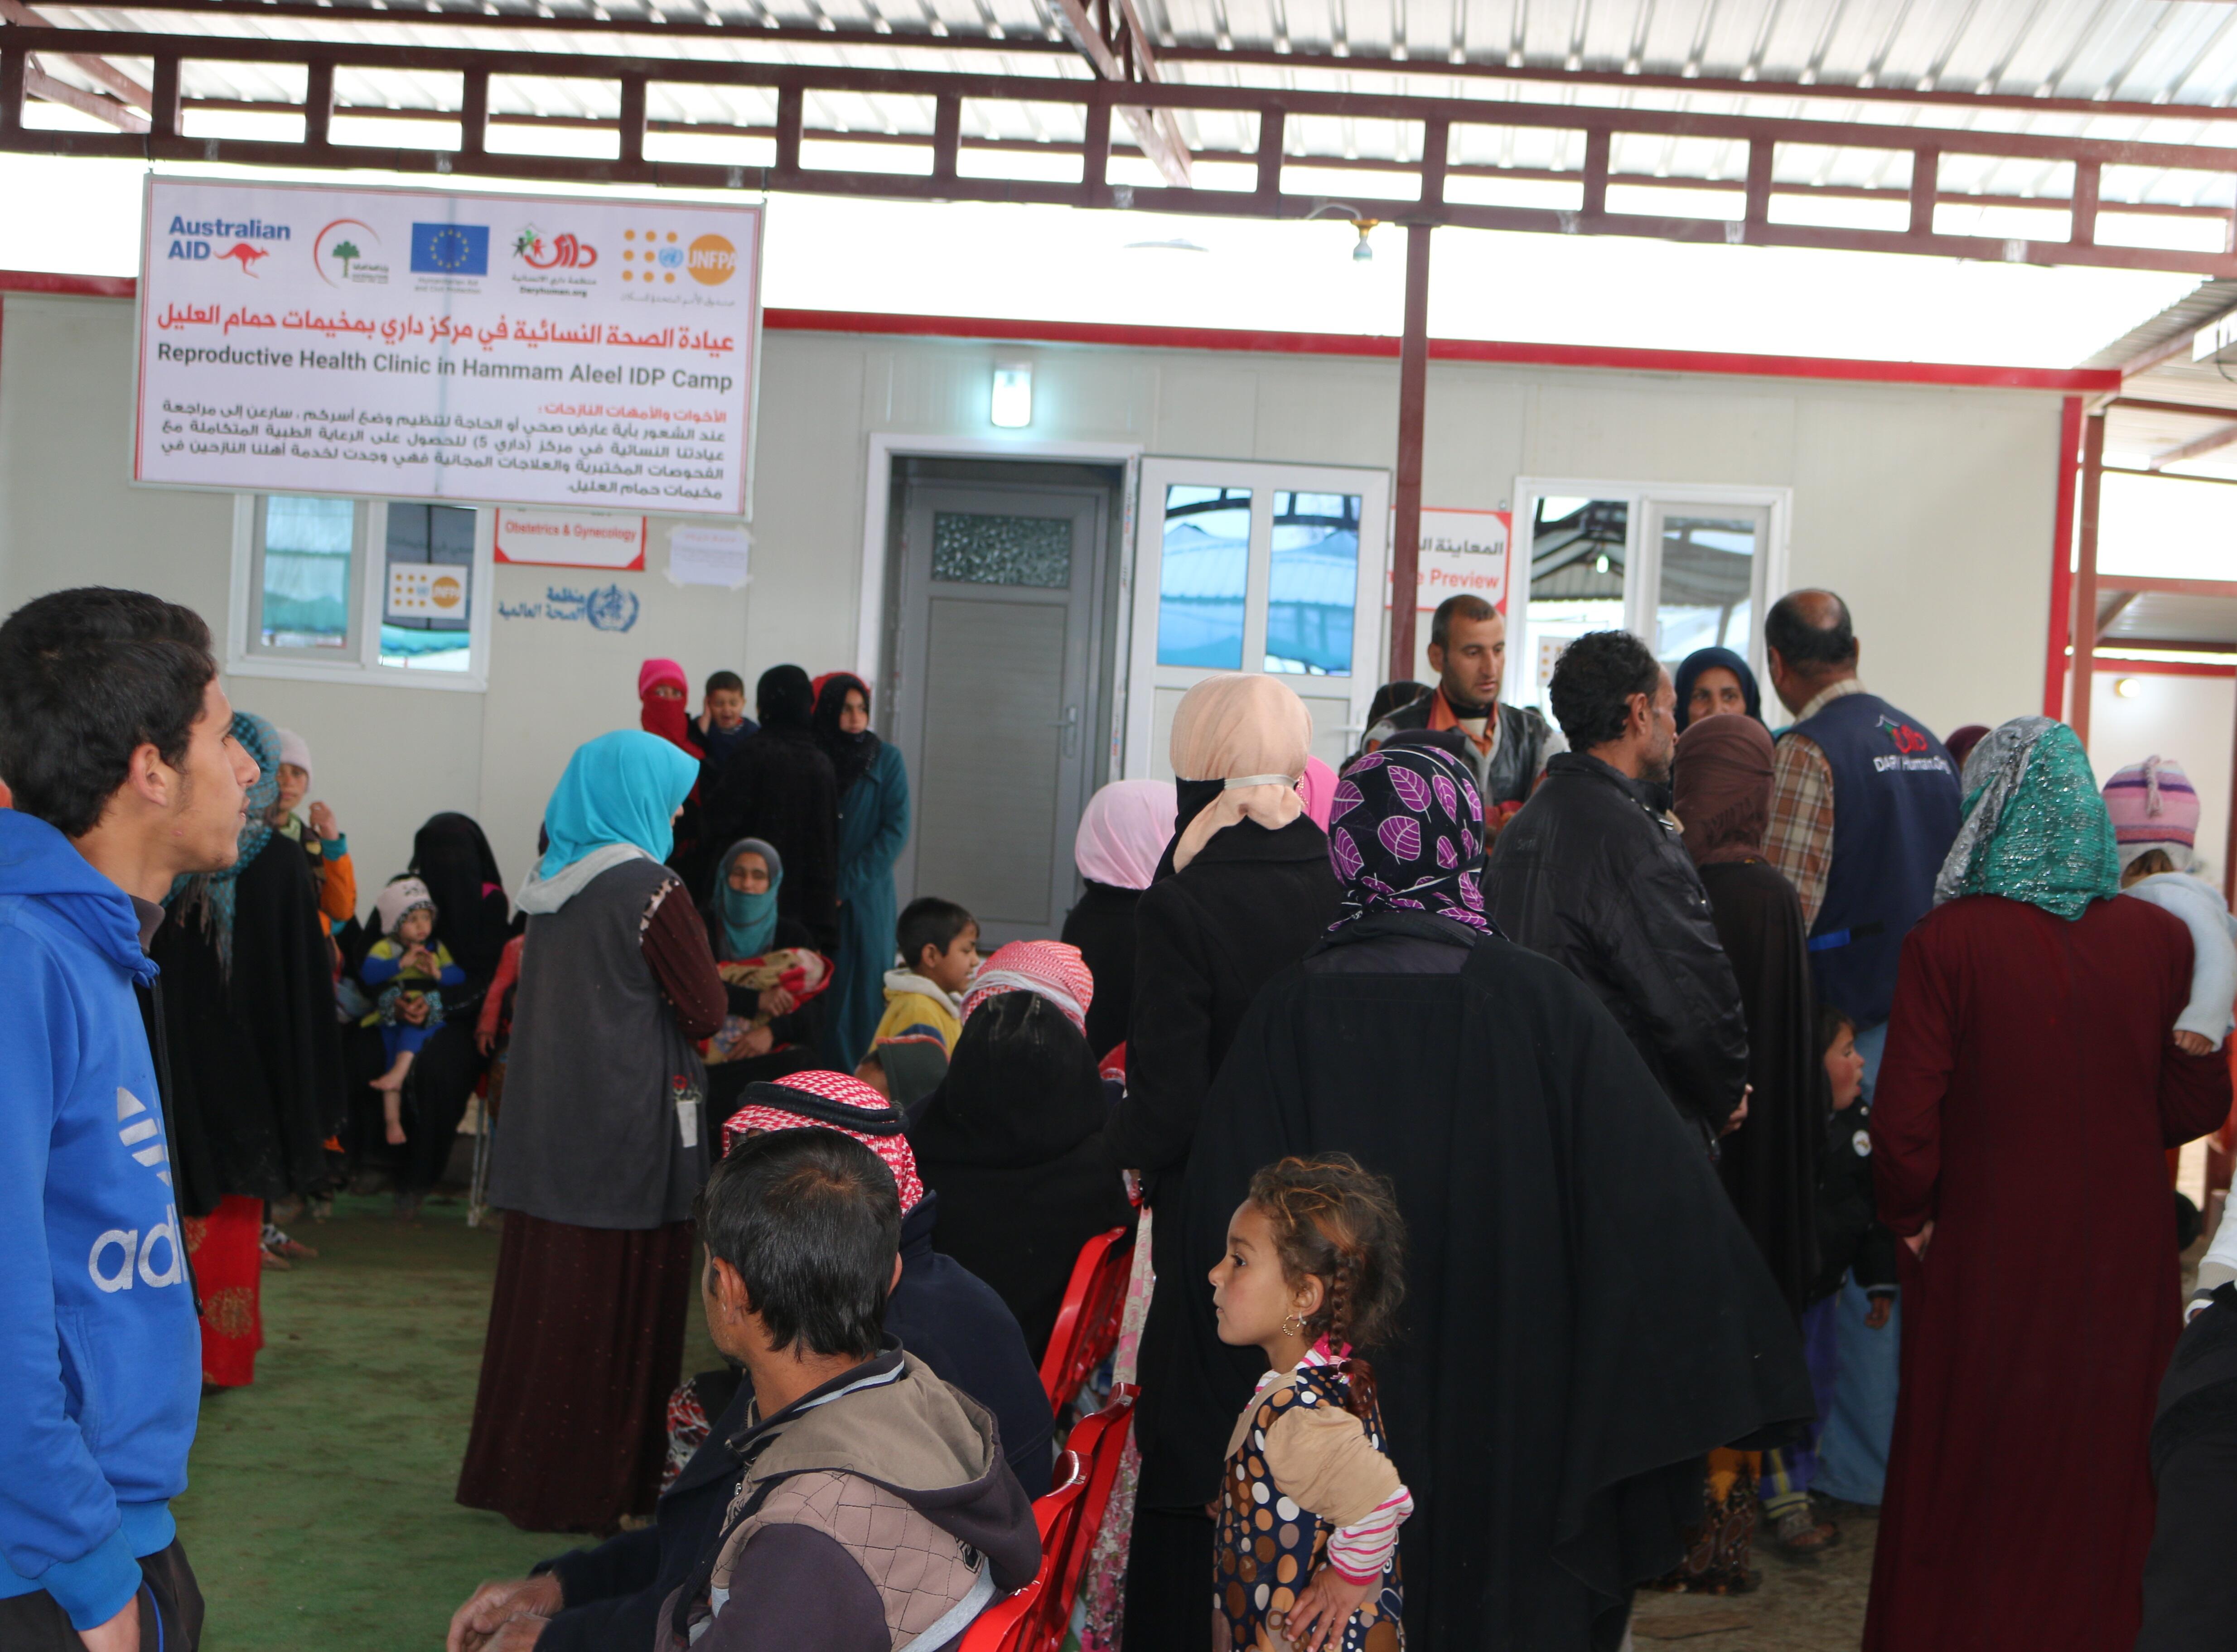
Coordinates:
114 740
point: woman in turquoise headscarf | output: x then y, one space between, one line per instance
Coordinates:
2030 1088
601 1147
742 921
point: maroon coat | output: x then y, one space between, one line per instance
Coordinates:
2030 1088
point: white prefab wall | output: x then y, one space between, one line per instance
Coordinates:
1930 510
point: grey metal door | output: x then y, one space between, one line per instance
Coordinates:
999 590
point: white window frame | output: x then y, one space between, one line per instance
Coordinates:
1642 577
246 658
1145 676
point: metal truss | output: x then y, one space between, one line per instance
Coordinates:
1146 105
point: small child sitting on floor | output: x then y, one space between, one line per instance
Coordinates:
2155 824
409 978
1314 1266
939 954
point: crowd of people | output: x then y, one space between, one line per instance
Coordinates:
1565 1155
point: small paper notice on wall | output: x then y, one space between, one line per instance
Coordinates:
708 556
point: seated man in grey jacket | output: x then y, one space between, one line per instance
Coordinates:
854 1451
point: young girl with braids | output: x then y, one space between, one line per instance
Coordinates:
1311 1504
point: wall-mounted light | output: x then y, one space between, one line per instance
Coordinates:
1012 406
2127 688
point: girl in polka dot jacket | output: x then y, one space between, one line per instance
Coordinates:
1311 1502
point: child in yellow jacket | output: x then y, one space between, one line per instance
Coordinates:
939 954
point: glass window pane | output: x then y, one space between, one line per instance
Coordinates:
1708 568
305 599
1576 579
973 549
427 599
1313 584
1202 576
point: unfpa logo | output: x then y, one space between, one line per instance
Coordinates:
122 1255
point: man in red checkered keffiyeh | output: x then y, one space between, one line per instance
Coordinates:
1051 969
834 1102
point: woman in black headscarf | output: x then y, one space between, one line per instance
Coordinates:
1588 1316
780 787
874 824
1714 682
1013 1143
473 918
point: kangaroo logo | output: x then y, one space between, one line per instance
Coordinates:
245 254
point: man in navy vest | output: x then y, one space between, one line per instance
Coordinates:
1864 804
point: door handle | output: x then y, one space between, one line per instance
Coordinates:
1069 723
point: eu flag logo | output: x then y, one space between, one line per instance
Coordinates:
450 249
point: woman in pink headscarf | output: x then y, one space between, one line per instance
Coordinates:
664 695
1123 833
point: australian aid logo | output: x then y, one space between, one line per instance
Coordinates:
241 241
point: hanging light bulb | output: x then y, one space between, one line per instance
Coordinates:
1363 253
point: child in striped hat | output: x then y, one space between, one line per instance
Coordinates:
2155 814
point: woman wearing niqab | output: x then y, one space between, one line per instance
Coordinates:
1244 888
2030 1069
1586 1316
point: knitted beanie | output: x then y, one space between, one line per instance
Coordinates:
402 897
2153 806
294 748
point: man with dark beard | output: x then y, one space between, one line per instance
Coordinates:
1592 874
1507 748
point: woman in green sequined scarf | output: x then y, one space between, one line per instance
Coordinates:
2028 1093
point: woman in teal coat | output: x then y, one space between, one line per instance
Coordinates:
874 824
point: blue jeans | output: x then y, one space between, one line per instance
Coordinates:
1853 1441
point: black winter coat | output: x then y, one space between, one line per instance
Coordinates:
1249 906
951 1320
1590 874
1585 1318
1101 924
779 787
1848 1231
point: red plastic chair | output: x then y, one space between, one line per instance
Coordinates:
1087 1325
1038 1616
1006 1625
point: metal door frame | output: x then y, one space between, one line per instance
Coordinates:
1642 556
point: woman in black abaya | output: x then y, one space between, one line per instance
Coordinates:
1588 1316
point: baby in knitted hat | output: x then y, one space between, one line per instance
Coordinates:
2155 814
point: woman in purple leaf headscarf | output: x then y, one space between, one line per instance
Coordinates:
1406 834
1568 1243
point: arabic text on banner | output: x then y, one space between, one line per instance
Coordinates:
430 344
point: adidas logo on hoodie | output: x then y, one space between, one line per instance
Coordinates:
121 1254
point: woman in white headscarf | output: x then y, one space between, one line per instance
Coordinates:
1245 888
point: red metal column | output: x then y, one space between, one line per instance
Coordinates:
2085 578
1413 394
2060 627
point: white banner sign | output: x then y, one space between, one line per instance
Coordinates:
1462 551
570 539
431 345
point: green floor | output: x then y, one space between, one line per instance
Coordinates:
319 1512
